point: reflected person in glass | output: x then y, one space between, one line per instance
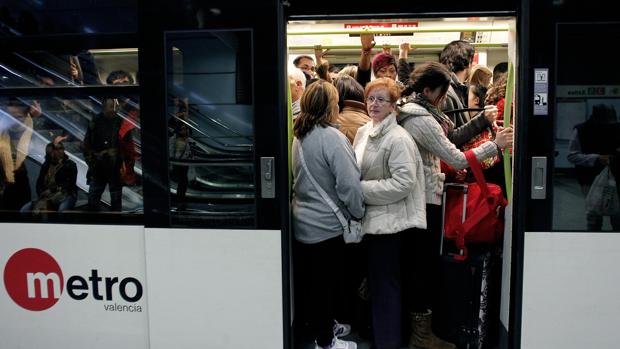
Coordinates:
102 154
180 150
56 188
15 136
594 145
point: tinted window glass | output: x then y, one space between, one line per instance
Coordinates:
20 18
210 118
58 155
82 68
587 137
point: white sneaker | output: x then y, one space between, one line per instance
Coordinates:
341 330
339 344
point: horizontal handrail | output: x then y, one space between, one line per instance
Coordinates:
400 30
379 47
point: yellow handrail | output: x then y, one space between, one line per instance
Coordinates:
379 47
400 30
509 98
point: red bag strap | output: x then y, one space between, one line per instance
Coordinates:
475 167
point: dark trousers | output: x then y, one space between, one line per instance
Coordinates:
391 283
106 175
179 174
17 194
318 271
355 310
425 250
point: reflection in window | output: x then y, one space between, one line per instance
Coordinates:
587 165
58 155
210 119
587 133
20 18
84 68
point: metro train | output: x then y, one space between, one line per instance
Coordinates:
200 252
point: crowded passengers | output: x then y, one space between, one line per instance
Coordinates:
381 150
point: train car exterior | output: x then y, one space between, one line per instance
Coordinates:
212 267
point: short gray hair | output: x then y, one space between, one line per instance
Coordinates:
295 74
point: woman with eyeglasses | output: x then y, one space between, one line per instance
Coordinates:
429 127
322 158
393 187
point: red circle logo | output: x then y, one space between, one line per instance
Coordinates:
33 279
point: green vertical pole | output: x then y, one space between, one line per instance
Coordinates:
507 109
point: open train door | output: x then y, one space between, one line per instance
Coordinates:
328 23
216 226
567 247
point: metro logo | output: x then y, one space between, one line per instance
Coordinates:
43 279
33 279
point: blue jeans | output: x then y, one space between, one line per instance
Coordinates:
67 204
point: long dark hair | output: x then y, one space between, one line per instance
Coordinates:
431 75
318 105
497 91
348 89
479 91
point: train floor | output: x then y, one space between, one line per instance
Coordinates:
361 343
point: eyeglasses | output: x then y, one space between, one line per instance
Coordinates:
379 100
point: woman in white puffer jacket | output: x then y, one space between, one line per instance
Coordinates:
393 187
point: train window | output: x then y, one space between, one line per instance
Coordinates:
58 155
211 128
587 134
82 68
19 18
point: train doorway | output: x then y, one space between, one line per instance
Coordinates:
323 47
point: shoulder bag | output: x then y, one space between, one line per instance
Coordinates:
473 212
602 199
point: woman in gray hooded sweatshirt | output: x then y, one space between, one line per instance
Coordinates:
319 249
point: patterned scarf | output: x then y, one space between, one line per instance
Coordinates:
445 122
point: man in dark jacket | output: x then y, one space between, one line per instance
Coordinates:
102 154
56 188
594 145
458 56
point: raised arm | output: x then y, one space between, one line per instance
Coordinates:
467 131
428 134
404 70
363 70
